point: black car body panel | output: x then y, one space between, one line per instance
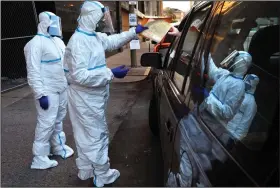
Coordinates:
195 153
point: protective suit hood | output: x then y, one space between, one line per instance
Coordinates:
240 64
91 14
44 22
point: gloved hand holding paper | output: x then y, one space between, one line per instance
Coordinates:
157 30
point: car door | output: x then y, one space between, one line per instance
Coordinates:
169 41
170 108
252 153
253 159
185 77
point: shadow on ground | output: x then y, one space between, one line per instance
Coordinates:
134 151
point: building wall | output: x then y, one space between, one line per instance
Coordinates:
20 20
19 26
125 21
153 8
141 6
145 20
179 15
160 4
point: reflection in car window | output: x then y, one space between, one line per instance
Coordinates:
173 51
188 46
242 112
170 56
237 31
192 89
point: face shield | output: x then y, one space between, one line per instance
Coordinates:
229 59
55 27
105 24
237 62
240 63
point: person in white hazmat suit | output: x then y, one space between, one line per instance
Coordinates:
227 94
240 124
44 54
88 78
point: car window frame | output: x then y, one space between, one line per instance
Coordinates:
195 50
183 36
180 27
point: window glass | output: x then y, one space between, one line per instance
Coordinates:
171 54
192 90
242 113
172 50
188 46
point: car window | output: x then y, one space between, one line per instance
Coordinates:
172 51
168 59
169 38
192 90
188 46
243 118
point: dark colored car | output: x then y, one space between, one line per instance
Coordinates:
194 149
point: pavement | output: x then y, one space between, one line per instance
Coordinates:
133 149
127 108
12 84
136 73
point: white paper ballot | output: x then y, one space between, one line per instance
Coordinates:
157 30
134 45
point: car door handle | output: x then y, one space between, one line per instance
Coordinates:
169 130
168 127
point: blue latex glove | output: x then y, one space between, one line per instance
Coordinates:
140 28
205 92
44 102
200 90
120 71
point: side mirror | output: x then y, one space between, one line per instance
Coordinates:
151 60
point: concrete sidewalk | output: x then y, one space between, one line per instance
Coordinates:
18 126
123 58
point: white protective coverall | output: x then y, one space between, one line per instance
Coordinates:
240 124
46 77
88 78
227 94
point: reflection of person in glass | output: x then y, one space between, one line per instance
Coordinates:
240 124
228 92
